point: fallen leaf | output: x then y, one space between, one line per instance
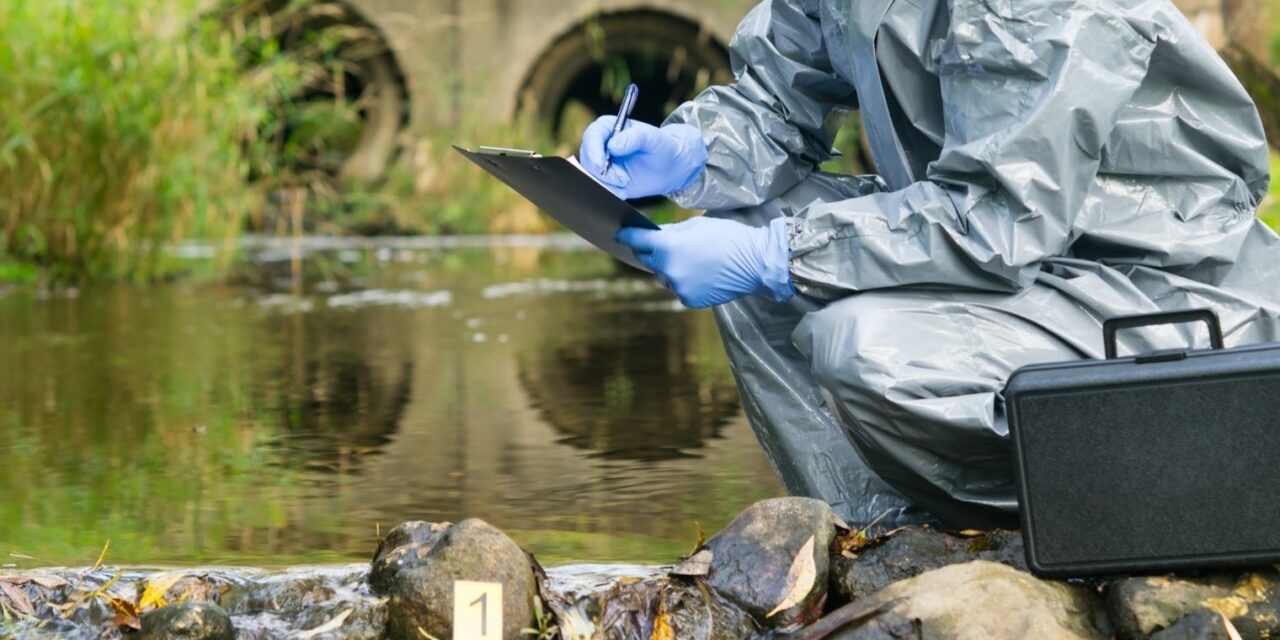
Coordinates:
1232 632
842 525
18 600
126 621
63 607
800 579
662 625
48 581
698 564
122 606
127 614
157 586
326 627
849 543
845 616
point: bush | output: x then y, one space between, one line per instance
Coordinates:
122 129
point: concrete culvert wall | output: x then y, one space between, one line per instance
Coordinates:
344 122
669 57
462 64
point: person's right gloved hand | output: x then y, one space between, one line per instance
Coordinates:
647 160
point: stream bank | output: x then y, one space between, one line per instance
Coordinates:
785 567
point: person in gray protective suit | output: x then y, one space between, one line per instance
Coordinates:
1044 165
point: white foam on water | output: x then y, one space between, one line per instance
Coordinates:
383 297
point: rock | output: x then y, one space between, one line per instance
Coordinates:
909 552
188 621
665 609
421 588
889 626
403 546
988 601
772 560
1199 625
1142 606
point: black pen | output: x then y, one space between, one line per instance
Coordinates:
624 112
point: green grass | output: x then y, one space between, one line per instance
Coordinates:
127 126
122 130
1270 209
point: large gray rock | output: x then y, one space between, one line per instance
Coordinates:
772 560
188 621
987 601
420 590
1142 606
859 572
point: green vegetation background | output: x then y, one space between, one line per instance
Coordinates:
128 126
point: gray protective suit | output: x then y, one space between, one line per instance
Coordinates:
1044 165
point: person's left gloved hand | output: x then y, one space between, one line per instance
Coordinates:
710 261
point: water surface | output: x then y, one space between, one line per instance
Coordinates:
282 419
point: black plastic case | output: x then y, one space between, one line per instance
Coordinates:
1164 461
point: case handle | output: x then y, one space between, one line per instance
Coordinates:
1112 325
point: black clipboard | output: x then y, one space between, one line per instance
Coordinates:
567 194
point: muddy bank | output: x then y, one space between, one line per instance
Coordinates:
784 568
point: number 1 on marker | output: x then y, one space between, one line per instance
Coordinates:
477 610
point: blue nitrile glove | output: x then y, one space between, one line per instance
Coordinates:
647 161
711 261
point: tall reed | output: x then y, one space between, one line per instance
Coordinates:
124 126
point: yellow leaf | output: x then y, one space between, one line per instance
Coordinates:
157 586
662 625
800 579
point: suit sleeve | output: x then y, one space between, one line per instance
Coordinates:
1030 98
775 125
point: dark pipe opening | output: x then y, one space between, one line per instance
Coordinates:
668 57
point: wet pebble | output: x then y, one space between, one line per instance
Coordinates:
860 572
188 621
1141 606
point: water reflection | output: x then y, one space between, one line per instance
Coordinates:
628 384
264 422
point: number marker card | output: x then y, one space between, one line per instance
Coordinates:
477 610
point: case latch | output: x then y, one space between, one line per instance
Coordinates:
1164 355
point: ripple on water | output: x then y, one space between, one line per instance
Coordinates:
382 297
544 286
286 303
